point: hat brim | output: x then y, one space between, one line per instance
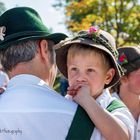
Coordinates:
61 57
22 36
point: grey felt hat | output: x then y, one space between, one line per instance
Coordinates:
93 37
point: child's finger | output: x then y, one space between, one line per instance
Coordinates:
71 92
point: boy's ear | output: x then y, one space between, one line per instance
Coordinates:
109 76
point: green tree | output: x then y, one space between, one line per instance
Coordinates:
119 17
2 7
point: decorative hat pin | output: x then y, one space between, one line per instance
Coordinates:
93 29
122 59
2 31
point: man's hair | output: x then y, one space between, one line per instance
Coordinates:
22 52
75 49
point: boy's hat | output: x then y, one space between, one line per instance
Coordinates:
129 58
93 37
24 23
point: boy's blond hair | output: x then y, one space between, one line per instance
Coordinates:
82 49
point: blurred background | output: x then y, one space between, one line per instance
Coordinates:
119 17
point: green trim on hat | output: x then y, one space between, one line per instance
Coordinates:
18 37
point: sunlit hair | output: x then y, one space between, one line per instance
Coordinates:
22 52
76 49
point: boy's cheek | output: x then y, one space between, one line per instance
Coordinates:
72 80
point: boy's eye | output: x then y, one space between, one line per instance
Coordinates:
73 69
90 70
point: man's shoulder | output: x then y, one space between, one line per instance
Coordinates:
36 99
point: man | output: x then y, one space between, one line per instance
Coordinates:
128 89
29 108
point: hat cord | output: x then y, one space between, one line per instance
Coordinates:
97 38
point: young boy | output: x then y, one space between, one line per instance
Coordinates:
88 61
128 89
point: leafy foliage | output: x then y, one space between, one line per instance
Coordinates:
119 17
56 85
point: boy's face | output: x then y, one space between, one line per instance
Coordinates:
88 69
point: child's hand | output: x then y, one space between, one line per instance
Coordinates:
72 90
80 92
82 95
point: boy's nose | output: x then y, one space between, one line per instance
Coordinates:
81 78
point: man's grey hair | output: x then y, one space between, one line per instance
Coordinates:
22 52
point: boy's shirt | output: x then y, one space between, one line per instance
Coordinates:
122 114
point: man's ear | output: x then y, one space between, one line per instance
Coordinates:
109 76
43 49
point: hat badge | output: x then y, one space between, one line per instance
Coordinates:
2 31
123 59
